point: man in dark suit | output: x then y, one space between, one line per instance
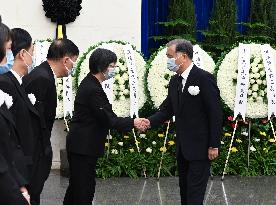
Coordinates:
193 98
61 61
13 169
25 115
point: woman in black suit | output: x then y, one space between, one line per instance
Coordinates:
93 117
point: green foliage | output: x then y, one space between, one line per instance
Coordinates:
261 25
181 22
221 31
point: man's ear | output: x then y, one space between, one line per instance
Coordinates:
65 59
20 54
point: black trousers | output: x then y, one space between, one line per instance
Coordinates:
82 181
193 179
40 173
9 191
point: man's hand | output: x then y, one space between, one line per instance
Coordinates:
25 194
212 153
142 124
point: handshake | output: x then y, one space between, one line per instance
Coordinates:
141 124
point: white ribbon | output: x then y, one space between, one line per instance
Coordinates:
197 57
242 80
40 52
133 80
108 84
270 78
67 96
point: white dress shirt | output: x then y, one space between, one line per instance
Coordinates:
185 75
19 79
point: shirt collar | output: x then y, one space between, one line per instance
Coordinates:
186 73
19 79
53 72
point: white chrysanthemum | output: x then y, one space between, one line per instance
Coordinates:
114 151
149 150
159 75
255 107
59 88
121 102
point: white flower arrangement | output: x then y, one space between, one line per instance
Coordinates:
120 143
59 88
252 148
121 99
114 151
226 80
149 150
159 76
32 98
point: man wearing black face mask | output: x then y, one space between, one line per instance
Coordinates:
61 62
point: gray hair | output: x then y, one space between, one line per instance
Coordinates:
183 46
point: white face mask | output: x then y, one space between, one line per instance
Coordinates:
30 67
72 71
171 65
110 73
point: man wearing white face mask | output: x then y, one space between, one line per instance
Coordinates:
7 62
193 98
61 62
26 117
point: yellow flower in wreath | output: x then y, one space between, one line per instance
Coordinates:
171 143
131 150
163 149
106 144
238 141
126 137
272 140
227 134
160 135
263 134
234 149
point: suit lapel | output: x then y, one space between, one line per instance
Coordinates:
174 93
190 81
22 93
7 115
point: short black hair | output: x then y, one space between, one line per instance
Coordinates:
60 48
183 46
5 35
21 39
100 60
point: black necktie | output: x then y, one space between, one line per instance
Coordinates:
179 88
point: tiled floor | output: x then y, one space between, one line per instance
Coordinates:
126 191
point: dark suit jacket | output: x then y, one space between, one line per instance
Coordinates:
41 83
12 159
198 118
93 116
25 115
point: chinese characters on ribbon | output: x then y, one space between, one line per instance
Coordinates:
270 78
197 59
133 82
242 81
